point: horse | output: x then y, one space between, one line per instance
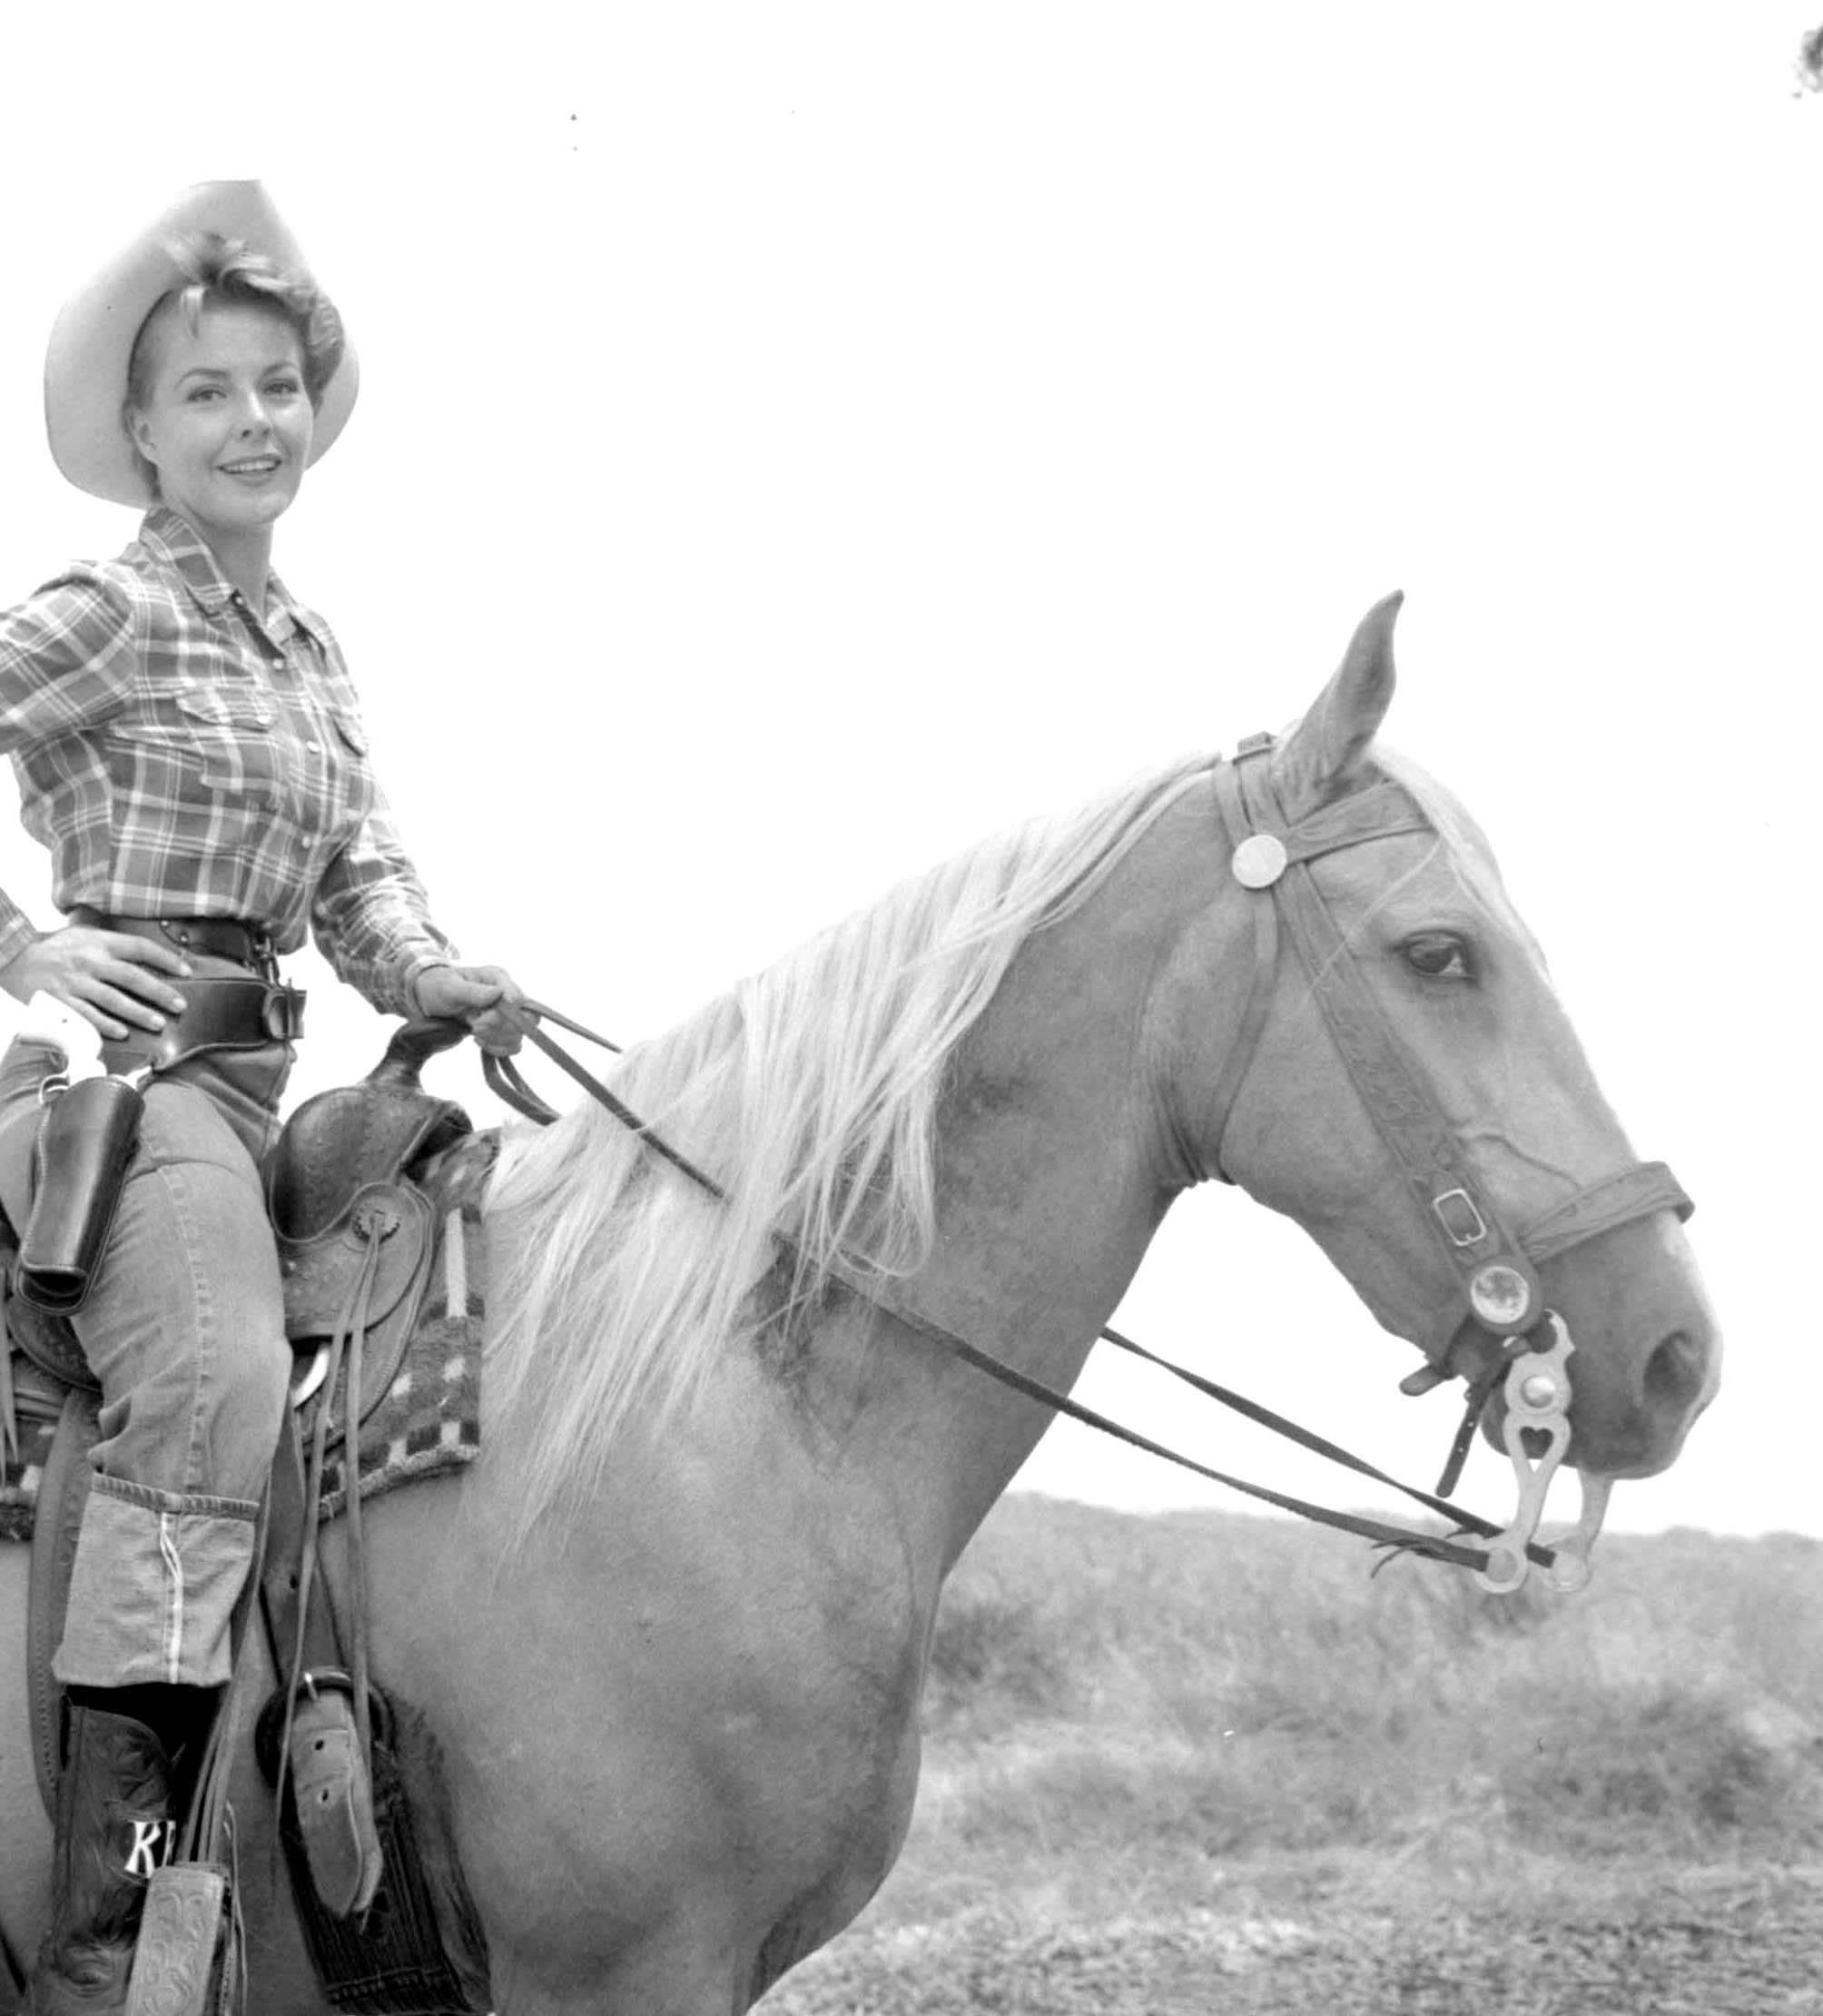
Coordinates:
670 1631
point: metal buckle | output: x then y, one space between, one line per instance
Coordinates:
1475 1226
283 1013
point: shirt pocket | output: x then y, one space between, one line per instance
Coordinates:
353 772
197 747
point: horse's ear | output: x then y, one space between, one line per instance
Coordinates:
1318 757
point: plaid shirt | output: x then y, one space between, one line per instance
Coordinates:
183 758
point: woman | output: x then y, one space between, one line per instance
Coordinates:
189 748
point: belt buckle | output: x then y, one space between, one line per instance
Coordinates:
283 1013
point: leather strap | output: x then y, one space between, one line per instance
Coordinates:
1616 1200
184 1956
293 1626
221 1013
62 1492
248 944
1265 974
308 1731
1400 1538
506 1082
596 1091
1417 1132
329 1741
1378 812
1306 1438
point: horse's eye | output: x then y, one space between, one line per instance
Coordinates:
1438 955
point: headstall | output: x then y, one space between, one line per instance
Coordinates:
1488 1271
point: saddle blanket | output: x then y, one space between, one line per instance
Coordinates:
429 1419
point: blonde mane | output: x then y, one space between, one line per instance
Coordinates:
810 1093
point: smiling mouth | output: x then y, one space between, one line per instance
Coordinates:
255 465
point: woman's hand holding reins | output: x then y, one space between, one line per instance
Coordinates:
110 979
483 996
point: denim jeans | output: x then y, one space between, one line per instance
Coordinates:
184 1330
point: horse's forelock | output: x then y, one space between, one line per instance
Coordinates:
1471 857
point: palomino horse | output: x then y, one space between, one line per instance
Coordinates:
670 1631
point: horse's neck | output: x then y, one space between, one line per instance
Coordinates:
1050 1184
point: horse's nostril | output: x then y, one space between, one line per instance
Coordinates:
1676 1373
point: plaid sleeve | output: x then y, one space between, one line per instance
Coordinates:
371 916
16 930
66 663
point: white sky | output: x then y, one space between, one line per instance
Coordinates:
796 441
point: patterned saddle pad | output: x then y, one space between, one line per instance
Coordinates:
430 1417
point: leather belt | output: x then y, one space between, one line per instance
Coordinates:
248 944
222 1011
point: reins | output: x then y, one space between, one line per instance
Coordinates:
504 1078
1475 1278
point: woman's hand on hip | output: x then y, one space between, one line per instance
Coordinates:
483 996
117 982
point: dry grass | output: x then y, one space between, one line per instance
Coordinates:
1215 1745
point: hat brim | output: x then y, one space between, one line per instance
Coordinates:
85 363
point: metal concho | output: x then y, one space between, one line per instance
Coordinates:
1259 861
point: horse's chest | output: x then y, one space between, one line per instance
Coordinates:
838 1811
828 1742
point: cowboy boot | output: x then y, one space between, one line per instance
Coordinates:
116 1822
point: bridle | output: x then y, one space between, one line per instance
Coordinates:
1484 1270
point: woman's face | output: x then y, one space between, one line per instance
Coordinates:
226 421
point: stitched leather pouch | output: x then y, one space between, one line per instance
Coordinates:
185 1963
85 1141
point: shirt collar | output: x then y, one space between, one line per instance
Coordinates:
172 539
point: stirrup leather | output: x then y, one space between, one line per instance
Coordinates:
333 1791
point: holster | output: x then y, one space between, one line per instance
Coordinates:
85 1141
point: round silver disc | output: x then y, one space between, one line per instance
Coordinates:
1501 1296
1259 861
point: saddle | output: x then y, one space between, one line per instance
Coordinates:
355 1236
339 1174
353 1230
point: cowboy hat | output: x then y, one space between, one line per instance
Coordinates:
92 339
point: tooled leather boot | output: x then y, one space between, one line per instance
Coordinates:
116 1822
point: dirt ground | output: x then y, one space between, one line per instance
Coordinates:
1656 1942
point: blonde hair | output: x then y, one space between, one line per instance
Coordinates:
810 1093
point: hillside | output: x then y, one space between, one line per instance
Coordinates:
1209 1762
